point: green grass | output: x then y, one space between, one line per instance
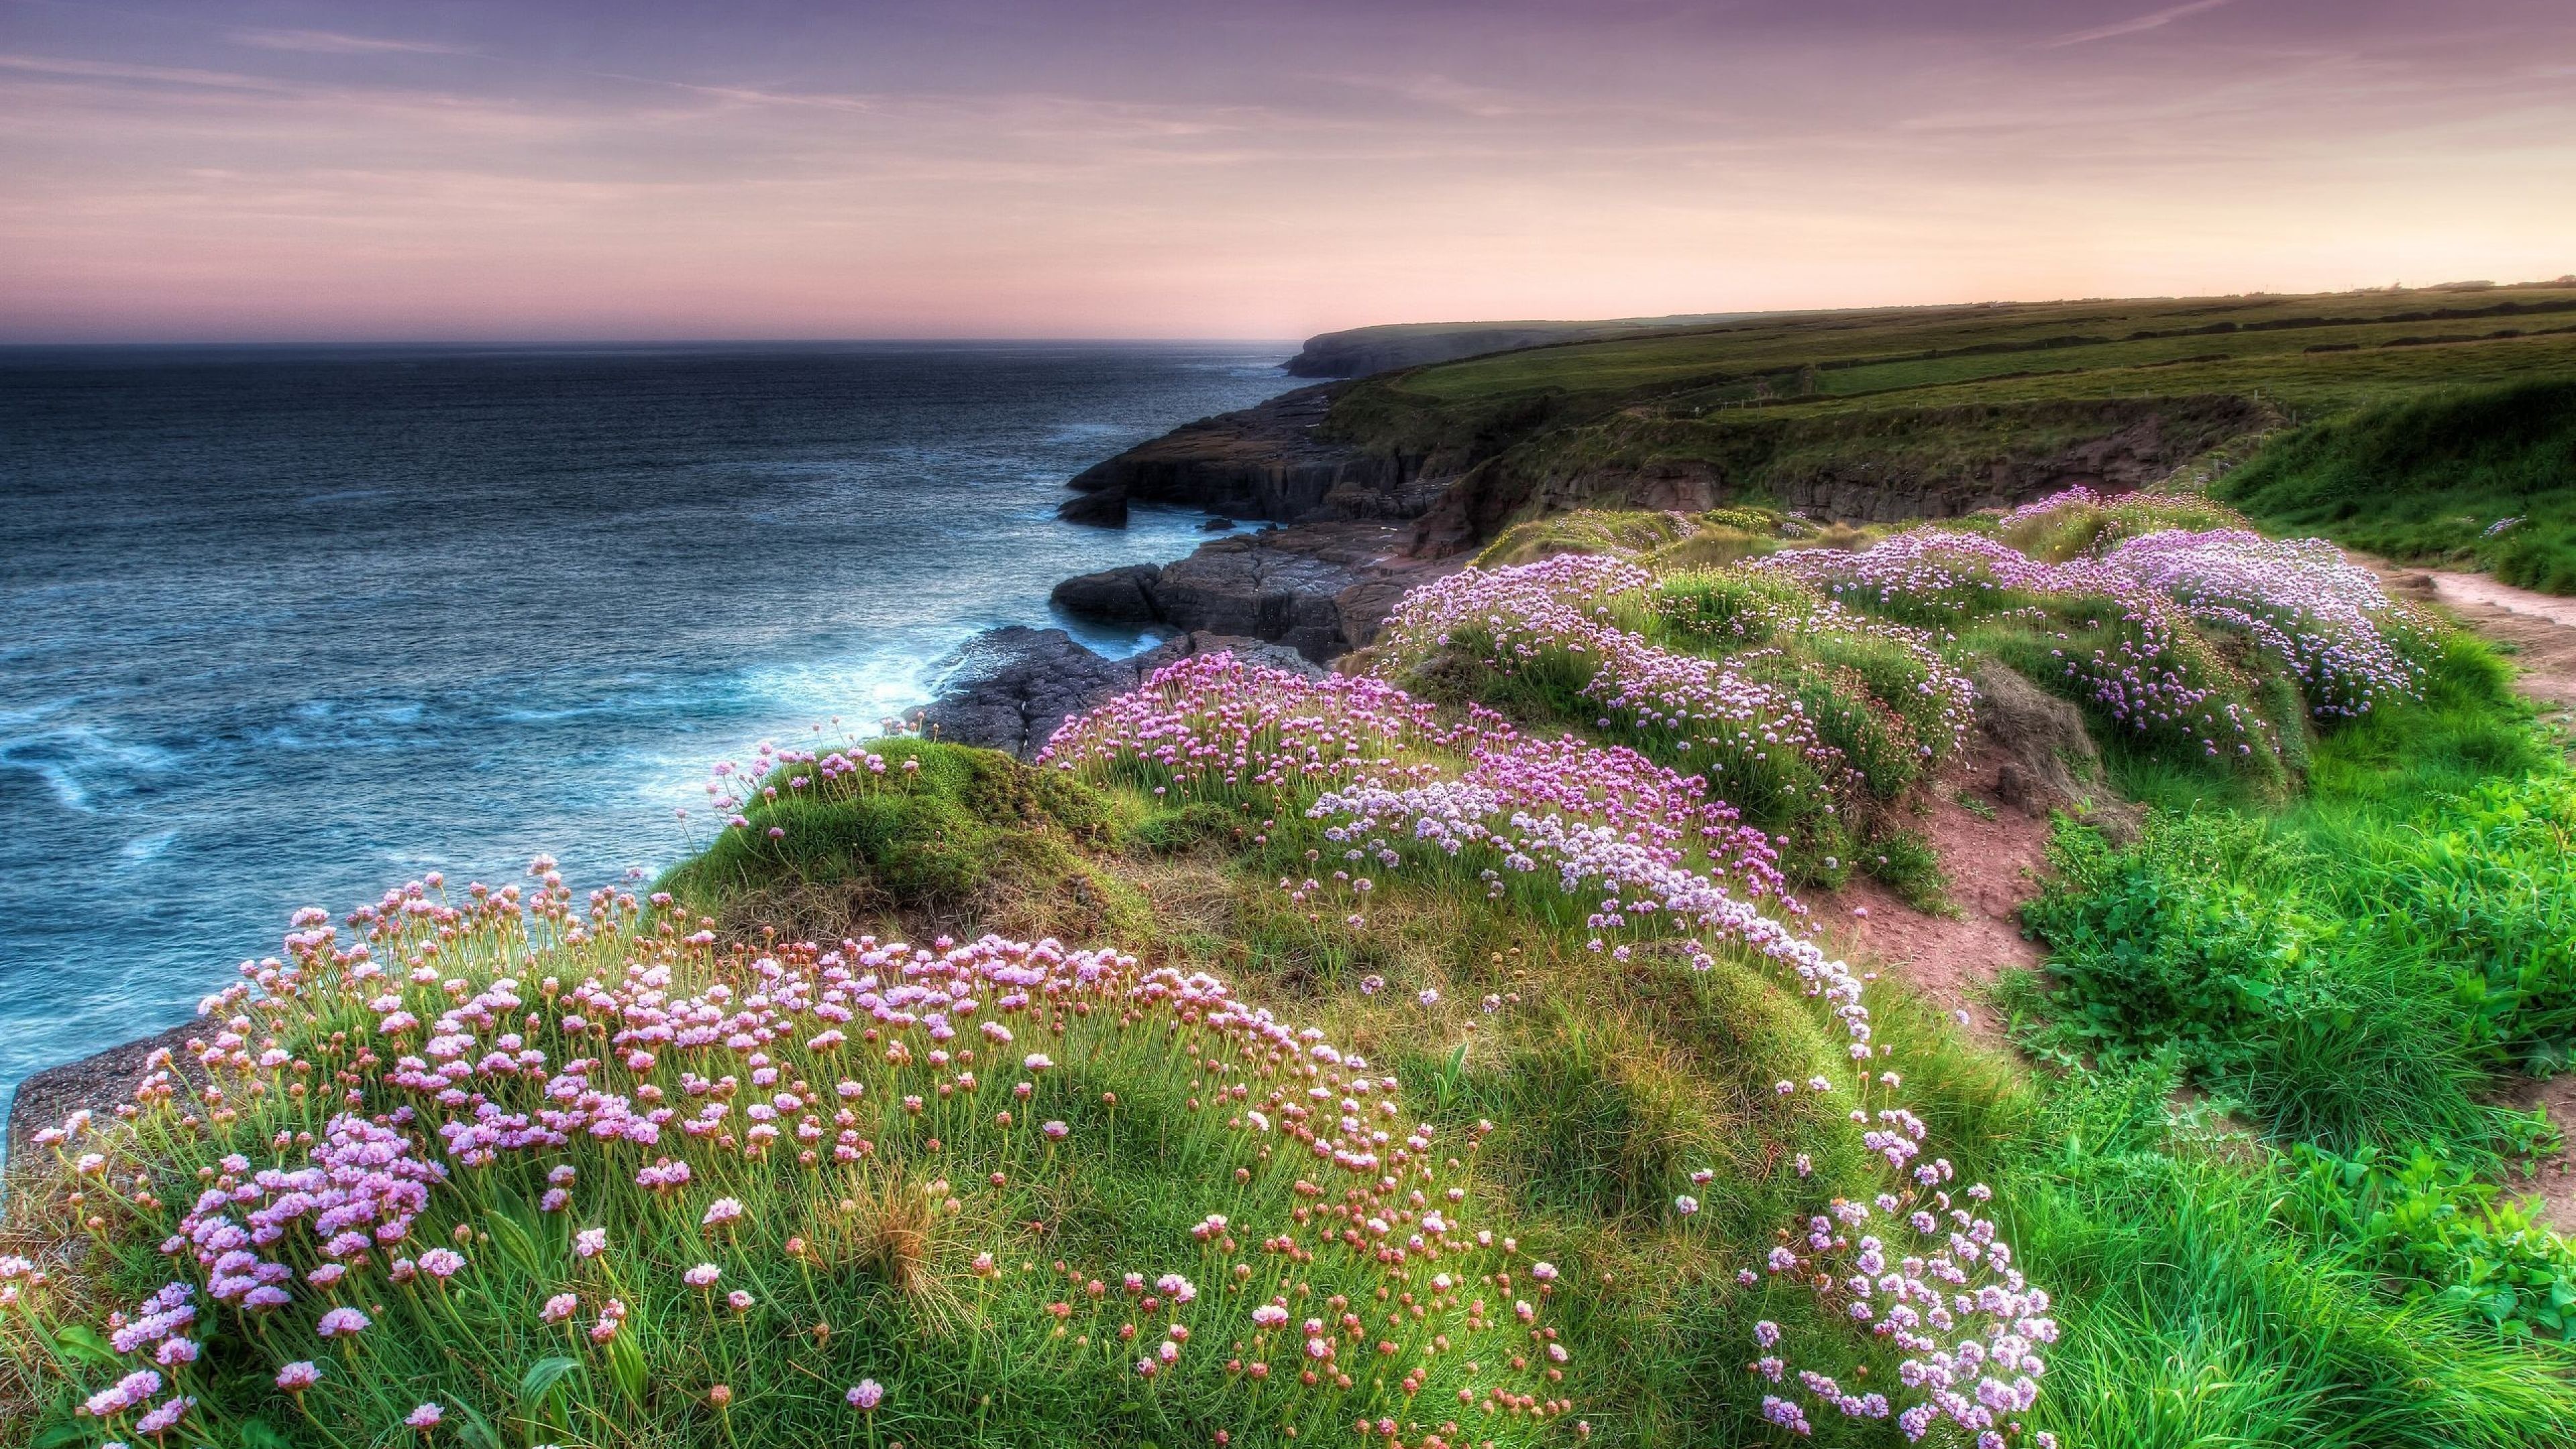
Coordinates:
2346 957
1937 408
1865 352
2198 1314
2433 479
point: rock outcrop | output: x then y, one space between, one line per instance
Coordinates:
2049 762
1266 462
1010 688
1321 588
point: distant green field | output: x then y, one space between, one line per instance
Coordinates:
1917 347
1941 402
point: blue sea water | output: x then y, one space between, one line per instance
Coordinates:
288 626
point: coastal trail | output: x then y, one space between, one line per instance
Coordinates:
2539 629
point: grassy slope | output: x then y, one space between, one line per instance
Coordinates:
2209 1292
2208 1289
1929 395
2427 478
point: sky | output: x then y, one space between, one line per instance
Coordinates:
205 170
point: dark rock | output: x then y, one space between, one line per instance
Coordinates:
1217 525
1320 588
1106 508
98 1083
2049 763
1009 688
1272 461
1119 595
1251 651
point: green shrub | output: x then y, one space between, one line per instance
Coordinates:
2432 1223
2483 476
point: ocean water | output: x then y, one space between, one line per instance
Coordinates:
289 626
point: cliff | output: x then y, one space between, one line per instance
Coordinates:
1360 351
1274 461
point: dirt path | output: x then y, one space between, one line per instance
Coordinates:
1994 855
2540 629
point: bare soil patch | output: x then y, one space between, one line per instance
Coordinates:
2540 629
1996 856
2554 1182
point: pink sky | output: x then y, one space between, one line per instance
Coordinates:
654 169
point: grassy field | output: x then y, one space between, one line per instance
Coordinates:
2481 477
1430 1060
1865 353
1942 409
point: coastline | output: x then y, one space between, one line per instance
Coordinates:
1337 550
871 560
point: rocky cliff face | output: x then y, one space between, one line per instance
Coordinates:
1321 589
1266 462
1924 463
2131 444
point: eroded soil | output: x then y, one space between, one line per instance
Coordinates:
1994 855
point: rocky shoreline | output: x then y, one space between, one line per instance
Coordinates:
1341 547
1348 532
1271 461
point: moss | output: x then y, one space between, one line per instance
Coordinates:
947 834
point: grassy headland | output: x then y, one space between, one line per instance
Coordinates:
2484 477
1434 1057
1934 411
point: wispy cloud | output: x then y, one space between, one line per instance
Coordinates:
120 71
2152 20
334 42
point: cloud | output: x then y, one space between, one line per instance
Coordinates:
2152 20
117 70
333 42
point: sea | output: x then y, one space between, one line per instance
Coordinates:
284 626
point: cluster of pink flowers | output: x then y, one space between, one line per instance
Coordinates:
1933 1278
734 786
2350 644
525 1029
1212 723
157 1329
2299 599
1612 828
2044 509
1563 609
2138 658
358 1198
